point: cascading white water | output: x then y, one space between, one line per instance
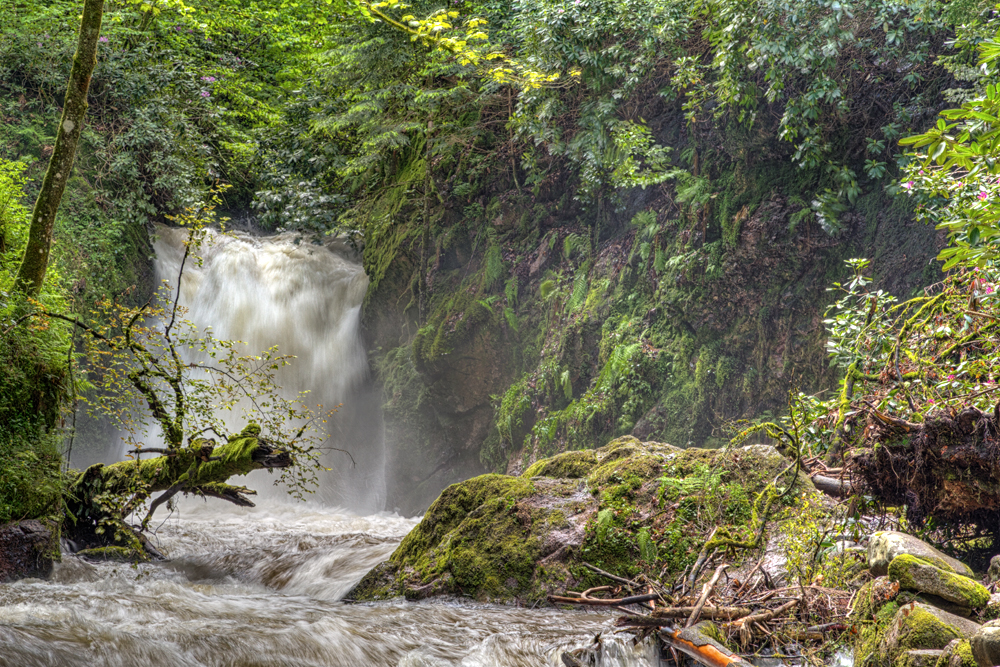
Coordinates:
263 586
306 300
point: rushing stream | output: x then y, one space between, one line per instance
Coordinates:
262 588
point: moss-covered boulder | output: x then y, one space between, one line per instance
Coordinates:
626 507
919 658
885 545
915 574
958 653
919 626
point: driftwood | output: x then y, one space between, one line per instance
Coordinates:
598 602
666 616
696 644
705 592
838 488
765 615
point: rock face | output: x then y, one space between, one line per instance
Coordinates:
914 574
27 549
884 546
504 538
986 645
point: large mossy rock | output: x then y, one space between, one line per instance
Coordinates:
915 574
625 505
885 545
895 630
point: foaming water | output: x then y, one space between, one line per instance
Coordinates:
262 587
306 300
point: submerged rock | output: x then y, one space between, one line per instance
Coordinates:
915 574
884 546
627 504
27 549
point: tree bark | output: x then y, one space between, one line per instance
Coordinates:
35 262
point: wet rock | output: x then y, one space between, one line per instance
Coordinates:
993 574
73 570
915 574
27 549
884 546
919 658
958 653
986 644
921 626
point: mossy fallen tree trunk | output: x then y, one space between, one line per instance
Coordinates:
103 495
946 468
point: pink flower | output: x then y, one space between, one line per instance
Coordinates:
205 93
982 195
951 377
908 185
103 39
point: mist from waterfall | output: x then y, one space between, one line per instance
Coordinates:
305 299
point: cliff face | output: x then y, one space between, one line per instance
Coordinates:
688 313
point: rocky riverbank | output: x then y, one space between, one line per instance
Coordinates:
736 545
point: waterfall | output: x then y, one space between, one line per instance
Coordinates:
306 299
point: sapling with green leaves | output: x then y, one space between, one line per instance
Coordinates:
159 377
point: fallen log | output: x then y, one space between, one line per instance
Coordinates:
696 643
838 488
635 599
663 617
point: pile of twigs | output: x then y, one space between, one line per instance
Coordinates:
754 611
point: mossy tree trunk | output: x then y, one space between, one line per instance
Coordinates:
31 273
103 495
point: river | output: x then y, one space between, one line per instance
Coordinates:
263 587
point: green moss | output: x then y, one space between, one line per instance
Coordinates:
961 648
453 506
569 465
917 574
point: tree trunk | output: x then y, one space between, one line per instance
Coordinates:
31 274
103 495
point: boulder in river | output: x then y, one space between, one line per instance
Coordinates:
627 507
27 549
885 545
920 626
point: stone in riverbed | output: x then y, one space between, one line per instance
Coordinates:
986 644
884 546
27 549
915 574
920 626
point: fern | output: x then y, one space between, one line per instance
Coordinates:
579 291
547 288
603 524
647 547
567 384
494 268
